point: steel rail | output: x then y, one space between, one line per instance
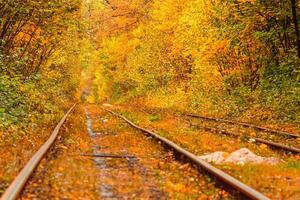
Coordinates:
15 188
245 125
255 139
219 174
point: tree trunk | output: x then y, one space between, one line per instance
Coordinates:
295 20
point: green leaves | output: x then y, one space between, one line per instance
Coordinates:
32 91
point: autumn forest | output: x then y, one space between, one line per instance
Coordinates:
168 65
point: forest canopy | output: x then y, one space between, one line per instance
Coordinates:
237 58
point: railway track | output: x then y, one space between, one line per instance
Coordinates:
218 174
233 184
254 139
283 133
267 136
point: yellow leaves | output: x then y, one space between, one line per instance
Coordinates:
63 147
90 99
23 37
247 1
253 134
263 146
61 169
138 32
176 187
221 46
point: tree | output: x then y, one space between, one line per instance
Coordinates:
295 21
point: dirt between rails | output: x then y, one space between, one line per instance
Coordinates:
280 181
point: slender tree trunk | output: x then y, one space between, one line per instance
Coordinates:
295 20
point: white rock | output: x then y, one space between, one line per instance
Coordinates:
240 157
252 140
244 155
216 157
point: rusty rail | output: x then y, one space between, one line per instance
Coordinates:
267 142
219 174
14 189
245 125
